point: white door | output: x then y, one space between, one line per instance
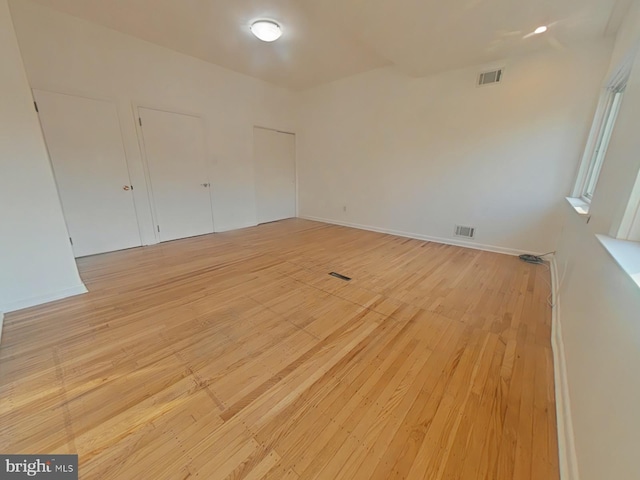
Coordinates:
87 154
174 147
275 166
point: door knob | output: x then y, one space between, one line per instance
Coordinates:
126 188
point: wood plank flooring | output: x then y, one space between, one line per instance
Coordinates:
236 355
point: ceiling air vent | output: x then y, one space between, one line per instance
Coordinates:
467 232
489 78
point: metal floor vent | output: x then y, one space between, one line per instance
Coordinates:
341 277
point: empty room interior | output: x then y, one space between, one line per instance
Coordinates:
337 239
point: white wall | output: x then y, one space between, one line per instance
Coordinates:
65 54
411 155
420 155
599 311
599 305
36 261
619 171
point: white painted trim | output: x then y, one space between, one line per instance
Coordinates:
629 226
625 253
426 238
295 168
566 442
122 142
136 106
33 301
587 155
579 205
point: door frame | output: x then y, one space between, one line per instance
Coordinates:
99 98
136 106
295 163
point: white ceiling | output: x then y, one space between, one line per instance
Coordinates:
325 40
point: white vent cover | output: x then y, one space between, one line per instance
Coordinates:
489 78
468 232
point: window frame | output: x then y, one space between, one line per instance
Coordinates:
629 228
598 143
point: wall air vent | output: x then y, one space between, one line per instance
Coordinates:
489 78
467 232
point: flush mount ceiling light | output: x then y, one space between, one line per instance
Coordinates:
541 29
266 30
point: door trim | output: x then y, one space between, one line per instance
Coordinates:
295 165
98 98
145 162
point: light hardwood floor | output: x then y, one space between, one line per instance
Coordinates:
236 355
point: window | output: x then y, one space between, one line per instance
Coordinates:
602 129
600 136
629 228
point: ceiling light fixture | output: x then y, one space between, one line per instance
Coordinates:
539 30
266 30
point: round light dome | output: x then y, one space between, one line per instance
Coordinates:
266 30
540 30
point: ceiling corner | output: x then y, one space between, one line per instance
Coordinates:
618 14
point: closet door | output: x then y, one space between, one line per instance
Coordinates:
275 167
174 147
87 154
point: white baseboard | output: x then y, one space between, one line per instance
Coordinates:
39 300
566 443
426 238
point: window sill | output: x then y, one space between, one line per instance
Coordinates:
626 254
580 206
